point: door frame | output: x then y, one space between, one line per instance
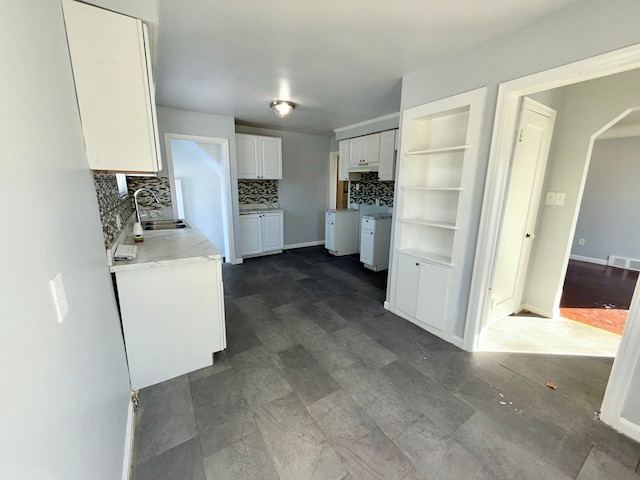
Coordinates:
502 141
230 244
550 113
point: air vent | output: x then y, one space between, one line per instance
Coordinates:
622 262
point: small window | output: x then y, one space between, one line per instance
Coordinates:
123 190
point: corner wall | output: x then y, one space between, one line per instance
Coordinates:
65 385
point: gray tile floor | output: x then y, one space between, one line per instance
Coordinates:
320 382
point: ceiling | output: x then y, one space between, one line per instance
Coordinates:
342 62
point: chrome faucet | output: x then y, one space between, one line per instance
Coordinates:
135 200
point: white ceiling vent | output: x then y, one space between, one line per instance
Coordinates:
622 262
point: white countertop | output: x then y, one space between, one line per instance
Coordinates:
168 247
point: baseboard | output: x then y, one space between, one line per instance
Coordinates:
580 258
627 428
386 305
457 341
128 442
302 245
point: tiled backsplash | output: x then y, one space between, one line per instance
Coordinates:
111 204
257 191
371 189
160 186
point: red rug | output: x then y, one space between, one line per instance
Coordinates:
609 319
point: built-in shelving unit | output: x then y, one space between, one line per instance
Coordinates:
437 164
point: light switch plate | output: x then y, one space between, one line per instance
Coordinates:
550 199
59 297
560 197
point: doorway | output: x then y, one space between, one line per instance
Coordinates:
609 224
619 389
199 172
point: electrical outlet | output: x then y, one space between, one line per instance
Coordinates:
59 297
581 241
550 199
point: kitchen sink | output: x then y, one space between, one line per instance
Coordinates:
164 224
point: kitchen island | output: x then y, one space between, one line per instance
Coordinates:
171 304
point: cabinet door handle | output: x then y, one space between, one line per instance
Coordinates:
417 264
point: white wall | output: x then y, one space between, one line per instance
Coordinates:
579 31
65 387
186 122
586 108
608 219
201 174
304 188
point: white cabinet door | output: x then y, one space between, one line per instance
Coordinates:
329 235
372 148
407 287
273 231
271 154
356 151
366 246
109 55
386 170
251 234
432 294
247 154
343 161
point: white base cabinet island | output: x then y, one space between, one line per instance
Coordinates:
171 304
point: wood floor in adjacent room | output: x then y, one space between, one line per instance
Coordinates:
320 382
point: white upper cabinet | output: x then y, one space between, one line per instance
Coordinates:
369 153
247 155
343 161
258 156
112 72
387 166
271 152
364 152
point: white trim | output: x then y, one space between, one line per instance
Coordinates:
128 442
368 122
302 245
230 243
622 372
580 258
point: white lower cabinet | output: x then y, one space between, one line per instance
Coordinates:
366 246
422 290
172 319
261 233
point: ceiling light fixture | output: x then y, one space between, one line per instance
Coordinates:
282 108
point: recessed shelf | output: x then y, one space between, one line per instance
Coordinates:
435 189
431 151
428 256
430 223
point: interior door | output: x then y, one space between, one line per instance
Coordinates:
517 232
